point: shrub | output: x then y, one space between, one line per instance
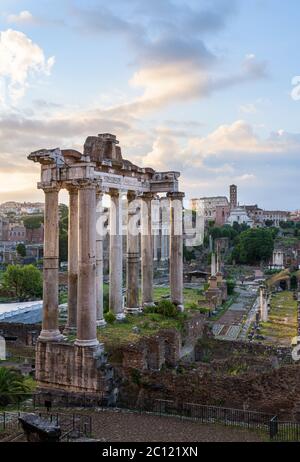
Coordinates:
230 286
109 317
167 309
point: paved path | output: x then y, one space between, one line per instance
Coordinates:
231 325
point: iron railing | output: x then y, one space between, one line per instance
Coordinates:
82 424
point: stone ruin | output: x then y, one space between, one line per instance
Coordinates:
81 366
2 349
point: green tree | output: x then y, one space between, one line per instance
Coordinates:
21 250
63 232
254 246
24 282
33 222
12 386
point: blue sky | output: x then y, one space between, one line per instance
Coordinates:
199 86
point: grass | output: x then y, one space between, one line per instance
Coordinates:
121 333
282 324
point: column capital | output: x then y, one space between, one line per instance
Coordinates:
87 184
131 195
148 196
113 192
49 187
72 187
176 195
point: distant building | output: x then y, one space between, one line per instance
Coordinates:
16 233
4 228
208 206
222 214
233 196
239 215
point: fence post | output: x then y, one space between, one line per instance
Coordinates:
273 427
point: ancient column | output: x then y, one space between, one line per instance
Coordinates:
72 259
115 254
86 307
147 250
50 330
133 256
99 259
176 249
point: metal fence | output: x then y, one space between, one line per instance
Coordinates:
72 425
46 404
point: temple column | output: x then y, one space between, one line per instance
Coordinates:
72 260
147 250
176 249
133 257
86 308
99 259
115 254
50 330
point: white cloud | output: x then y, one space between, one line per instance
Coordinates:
24 17
20 59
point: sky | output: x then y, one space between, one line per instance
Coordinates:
210 88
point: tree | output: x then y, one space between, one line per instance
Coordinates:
21 250
24 282
33 222
63 232
12 383
254 246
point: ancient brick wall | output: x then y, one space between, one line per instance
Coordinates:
71 368
20 334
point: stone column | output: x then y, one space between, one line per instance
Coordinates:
50 330
115 254
176 249
86 308
99 259
72 260
147 250
133 256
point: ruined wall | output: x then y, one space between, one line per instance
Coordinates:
70 368
151 353
20 334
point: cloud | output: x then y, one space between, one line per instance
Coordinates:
24 17
21 59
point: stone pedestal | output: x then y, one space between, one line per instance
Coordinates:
50 331
115 255
86 311
133 257
147 250
99 259
176 248
71 325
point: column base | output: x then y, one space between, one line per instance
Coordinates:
148 304
101 323
51 336
86 343
130 310
70 330
120 316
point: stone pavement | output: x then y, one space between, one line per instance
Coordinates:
231 324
